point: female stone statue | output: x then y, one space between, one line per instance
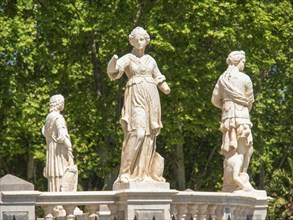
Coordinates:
59 148
141 113
233 94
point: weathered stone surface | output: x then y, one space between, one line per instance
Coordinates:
13 183
147 186
59 157
141 113
17 198
259 194
233 94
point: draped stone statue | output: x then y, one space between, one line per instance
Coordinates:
60 169
141 113
233 94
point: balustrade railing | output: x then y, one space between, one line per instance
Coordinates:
183 205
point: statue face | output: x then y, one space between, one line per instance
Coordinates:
241 65
61 108
139 42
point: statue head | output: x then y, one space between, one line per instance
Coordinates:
237 59
138 32
56 103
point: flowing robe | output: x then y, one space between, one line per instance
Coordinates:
141 117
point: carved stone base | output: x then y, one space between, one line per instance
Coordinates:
252 193
152 186
143 200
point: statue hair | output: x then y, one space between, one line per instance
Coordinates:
138 31
235 57
232 60
56 102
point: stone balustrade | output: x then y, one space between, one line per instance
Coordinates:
92 200
157 204
219 205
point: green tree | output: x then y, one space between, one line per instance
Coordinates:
281 189
49 47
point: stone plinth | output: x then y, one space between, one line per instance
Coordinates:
143 200
152 186
13 183
17 198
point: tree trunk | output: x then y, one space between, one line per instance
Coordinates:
262 174
179 171
98 78
30 174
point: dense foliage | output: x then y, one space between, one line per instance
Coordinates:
49 47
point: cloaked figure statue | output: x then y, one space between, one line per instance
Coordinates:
233 94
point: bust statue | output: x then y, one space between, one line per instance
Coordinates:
233 94
141 113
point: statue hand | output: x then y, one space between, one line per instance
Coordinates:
165 88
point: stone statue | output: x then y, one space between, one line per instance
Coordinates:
141 113
233 94
60 169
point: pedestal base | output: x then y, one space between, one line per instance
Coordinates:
149 186
143 200
252 193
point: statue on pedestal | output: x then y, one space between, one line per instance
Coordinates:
60 169
141 113
233 94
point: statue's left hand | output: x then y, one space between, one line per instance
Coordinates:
165 88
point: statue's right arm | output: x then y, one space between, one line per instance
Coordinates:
112 68
63 136
216 102
216 98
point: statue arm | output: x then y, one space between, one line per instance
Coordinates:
116 67
160 80
164 88
63 136
216 97
112 68
249 94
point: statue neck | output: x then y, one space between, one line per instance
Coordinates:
138 52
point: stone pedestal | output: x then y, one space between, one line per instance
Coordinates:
143 200
13 183
17 198
148 186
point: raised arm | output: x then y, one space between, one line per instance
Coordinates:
112 68
116 67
